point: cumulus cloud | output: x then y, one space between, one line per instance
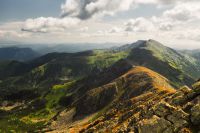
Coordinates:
180 14
6 34
85 9
74 11
139 25
75 18
84 29
183 12
166 26
115 30
49 24
190 34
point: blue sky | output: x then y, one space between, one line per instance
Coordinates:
22 9
175 23
13 10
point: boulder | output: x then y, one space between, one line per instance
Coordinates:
154 125
178 123
196 87
162 109
195 114
185 89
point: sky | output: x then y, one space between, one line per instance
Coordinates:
175 23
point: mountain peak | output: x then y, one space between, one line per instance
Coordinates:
140 44
152 40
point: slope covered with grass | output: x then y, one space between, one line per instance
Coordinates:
174 65
79 91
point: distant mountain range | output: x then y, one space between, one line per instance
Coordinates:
66 48
19 54
130 88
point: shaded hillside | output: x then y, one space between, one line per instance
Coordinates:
28 105
138 101
56 68
19 54
18 68
101 99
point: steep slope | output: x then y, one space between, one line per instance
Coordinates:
27 108
144 102
178 67
115 94
157 112
116 99
42 73
60 91
194 53
19 54
18 68
175 66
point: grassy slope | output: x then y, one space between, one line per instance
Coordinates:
37 114
176 67
135 82
51 80
186 64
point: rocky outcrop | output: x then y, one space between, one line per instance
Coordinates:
155 125
157 112
195 114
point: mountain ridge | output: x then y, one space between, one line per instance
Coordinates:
97 90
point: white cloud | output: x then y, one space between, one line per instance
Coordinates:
84 29
115 30
8 34
85 9
189 34
77 25
73 11
166 26
49 24
139 25
184 12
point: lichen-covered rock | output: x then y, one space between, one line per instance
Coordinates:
180 114
185 130
154 125
154 112
195 114
178 123
187 107
196 87
179 100
185 89
162 109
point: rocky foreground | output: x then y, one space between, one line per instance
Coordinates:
154 113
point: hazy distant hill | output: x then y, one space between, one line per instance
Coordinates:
66 48
16 53
194 53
